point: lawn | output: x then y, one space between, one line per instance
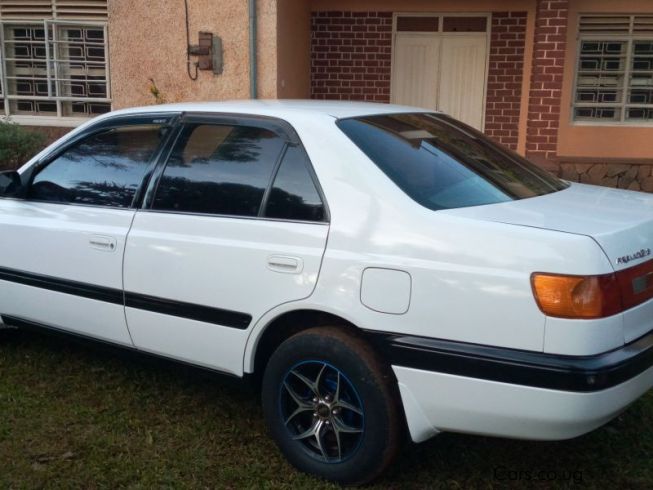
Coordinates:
74 415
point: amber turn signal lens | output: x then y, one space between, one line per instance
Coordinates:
577 296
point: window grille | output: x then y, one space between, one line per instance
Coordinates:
53 58
614 76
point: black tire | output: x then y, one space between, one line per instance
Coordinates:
340 361
7 332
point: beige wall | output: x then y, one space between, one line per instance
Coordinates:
599 142
147 39
294 49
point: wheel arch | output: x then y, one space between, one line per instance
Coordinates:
265 340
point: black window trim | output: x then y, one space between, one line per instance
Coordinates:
316 182
109 123
273 176
162 154
278 126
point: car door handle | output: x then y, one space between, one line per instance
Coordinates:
285 264
104 243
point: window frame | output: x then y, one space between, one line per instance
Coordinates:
278 126
105 125
51 28
629 38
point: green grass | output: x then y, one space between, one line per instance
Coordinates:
78 416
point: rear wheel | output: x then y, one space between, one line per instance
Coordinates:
332 406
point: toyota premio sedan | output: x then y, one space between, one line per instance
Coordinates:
387 272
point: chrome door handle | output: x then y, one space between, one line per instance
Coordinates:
285 264
104 243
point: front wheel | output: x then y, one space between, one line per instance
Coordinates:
332 406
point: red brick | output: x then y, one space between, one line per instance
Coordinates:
561 22
546 79
359 54
505 77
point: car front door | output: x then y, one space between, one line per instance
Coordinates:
233 225
62 246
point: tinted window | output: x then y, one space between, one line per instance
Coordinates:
219 170
105 169
293 194
442 163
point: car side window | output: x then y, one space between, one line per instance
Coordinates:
219 169
104 169
293 195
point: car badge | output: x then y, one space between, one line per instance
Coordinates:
640 254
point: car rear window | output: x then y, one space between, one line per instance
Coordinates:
443 164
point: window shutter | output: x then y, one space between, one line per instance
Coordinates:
25 9
80 9
622 24
54 9
605 25
643 25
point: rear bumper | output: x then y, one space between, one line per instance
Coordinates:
450 386
436 402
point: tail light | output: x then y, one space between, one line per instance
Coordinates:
587 297
577 296
636 284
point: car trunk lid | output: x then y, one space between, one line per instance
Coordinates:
621 222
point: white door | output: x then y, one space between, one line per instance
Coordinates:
445 71
462 77
218 246
416 69
62 248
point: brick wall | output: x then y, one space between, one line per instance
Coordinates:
505 75
350 55
546 80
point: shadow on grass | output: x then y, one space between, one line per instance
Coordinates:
123 419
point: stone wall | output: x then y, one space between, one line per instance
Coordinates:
637 177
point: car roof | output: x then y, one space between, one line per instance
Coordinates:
279 108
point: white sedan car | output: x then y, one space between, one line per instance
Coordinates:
386 270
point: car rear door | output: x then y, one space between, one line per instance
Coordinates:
232 226
62 246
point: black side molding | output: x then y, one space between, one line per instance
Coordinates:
207 314
527 368
191 311
99 293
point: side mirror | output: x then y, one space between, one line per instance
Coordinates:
11 185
